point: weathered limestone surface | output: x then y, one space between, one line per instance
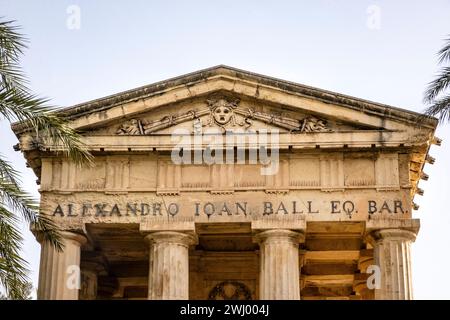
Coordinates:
392 253
279 274
340 199
169 265
59 270
90 271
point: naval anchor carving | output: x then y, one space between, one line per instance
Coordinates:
225 113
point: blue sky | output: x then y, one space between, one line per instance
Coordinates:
388 57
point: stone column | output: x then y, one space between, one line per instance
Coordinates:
392 254
89 279
279 269
89 283
59 271
168 277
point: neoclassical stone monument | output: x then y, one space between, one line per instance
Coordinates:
224 184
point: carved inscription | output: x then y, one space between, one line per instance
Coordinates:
265 208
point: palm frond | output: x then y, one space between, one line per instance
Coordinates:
8 172
12 45
13 268
21 106
440 108
12 42
18 104
438 85
17 200
12 196
444 53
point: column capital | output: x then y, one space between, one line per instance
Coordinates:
279 269
277 235
297 223
65 235
376 236
176 237
151 224
412 225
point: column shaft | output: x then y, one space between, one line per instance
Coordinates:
392 253
168 277
279 275
89 283
59 271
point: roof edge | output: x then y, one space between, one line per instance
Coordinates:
345 100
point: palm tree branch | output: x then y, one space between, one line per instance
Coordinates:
438 85
17 104
16 199
444 53
19 201
8 172
21 106
440 107
12 45
13 270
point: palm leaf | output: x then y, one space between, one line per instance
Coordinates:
15 198
440 108
435 95
13 268
438 85
12 45
444 53
17 103
8 172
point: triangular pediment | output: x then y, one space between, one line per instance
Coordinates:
249 102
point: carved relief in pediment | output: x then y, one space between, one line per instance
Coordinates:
225 113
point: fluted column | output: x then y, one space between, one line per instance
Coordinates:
279 271
392 253
168 277
89 278
59 271
89 284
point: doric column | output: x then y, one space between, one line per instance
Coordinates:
90 270
168 277
59 271
392 254
279 271
89 284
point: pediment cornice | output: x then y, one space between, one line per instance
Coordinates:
205 82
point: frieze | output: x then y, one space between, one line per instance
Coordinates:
227 208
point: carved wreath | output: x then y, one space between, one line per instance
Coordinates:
230 290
